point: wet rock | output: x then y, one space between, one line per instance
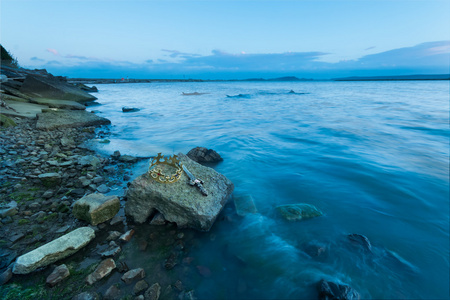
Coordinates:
330 290
126 237
50 179
153 292
179 202
96 208
5 276
361 240
51 252
104 269
112 293
87 296
116 220
244 205
113 235
132 275
204 271
59 273
202 155
116 154
189 295
112 250
65 142
171 261
14 238
61 104
128 159
297 212
103 189
89 161
140 286
130 109
158 219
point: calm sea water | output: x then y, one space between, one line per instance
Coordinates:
373 156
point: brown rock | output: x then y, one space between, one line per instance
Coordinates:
59 273
132 275
104 269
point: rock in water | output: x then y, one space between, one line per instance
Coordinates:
201 154
180 202
244 205
55 250
330 290
103 269
297 212
96 208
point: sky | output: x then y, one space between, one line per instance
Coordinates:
231 39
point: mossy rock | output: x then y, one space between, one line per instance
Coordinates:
6 121
297 212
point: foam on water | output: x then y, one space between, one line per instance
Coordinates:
373 156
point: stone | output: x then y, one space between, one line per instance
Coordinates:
103 189
204 155
112 250
96 208
50 179
113 235
53 251
52 88
59 274
87 296
89 161
130 109
5 276
330 290
116 154
158 219
244 205
126 237
67 142
6 122
112 293
140 286
297 212
127 159
153 292
69 119
180 202
361 240
9 210
103 269
116 220
132 275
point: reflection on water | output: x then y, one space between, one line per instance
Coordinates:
373 156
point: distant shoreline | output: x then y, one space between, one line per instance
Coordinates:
281 79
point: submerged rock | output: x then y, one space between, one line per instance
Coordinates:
130 109
96 208
297 212
244 205
330 291
132 275
180 202
359 239
202 154
51 252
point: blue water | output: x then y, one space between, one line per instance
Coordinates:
373 156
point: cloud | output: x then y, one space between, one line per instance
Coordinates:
53 51
176 54
37 59
370 48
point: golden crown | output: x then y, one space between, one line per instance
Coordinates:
156 172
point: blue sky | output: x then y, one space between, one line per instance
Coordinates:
228 39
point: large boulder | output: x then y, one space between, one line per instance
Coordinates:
69 118
96 208
52 88
56 103
51 252
180 202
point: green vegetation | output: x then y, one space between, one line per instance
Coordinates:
17 291
20 197
7 58
23 221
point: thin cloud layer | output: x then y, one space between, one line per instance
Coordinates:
427 58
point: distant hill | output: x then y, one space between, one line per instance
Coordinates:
286 78
404 77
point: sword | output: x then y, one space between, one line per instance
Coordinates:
195 182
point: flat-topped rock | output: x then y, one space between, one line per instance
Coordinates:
58 249
69 118
180 202
22 109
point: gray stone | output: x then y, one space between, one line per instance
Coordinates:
158 219
89 160
104 269
127 159
244 205
132 275
59 273
10 210
52 88
69 119
86 296
50 179
5 276
112 293
55 250
113 235
103 189
140 286
96 208
179 202
62 104
112 250
126 237
153 292
297 212
202 155
116 220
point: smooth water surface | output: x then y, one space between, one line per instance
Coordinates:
373 156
